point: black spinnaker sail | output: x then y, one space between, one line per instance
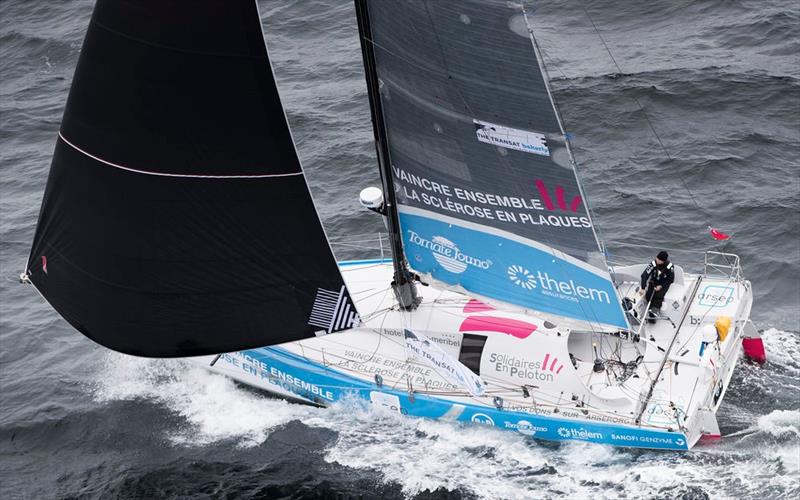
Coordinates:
177 220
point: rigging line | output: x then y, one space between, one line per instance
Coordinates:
641 108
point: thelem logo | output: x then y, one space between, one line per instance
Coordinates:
521 277
581 433
544 194
447 254
551 286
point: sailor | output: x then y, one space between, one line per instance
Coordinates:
656 279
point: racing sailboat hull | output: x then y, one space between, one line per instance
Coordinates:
540 380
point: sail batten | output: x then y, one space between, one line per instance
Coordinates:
176 219
487 192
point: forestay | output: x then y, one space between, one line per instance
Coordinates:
487 192
176 219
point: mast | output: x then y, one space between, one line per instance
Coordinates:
403 284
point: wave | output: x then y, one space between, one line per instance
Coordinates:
425 455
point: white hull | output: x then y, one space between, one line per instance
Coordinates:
538 369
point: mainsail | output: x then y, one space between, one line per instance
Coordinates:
177 220
485 184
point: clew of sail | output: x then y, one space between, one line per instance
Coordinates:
487 194
176 219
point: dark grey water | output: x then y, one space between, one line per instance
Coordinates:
718 80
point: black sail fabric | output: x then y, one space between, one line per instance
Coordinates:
177 220
488 197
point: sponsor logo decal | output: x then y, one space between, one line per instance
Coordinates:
521 277
483 419
527 428
519 368
511 138
657 440
580 433
553 364
447 254
552 287
544 194
715 296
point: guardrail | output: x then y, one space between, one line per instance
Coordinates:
726 265
362 245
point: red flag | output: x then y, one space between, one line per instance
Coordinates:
44 264
718 235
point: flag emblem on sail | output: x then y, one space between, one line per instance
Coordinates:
333 311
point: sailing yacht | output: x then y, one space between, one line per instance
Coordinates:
177 222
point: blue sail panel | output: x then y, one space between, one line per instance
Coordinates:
503 267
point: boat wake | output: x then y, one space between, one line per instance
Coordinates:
419 454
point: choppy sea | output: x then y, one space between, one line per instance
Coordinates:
719 80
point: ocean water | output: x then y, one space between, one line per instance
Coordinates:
718 80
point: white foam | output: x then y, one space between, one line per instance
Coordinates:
783 348
424 454
784 425
781 423
213 406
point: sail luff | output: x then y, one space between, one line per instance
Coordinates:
403 282
567 143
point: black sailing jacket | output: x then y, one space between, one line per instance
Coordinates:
658 275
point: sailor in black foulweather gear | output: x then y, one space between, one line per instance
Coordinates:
656 279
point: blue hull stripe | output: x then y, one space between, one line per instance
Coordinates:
314 382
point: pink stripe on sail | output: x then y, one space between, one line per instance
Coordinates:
548 203
513 327
559 369
560 198
476 306
544 363
576 202
553 365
